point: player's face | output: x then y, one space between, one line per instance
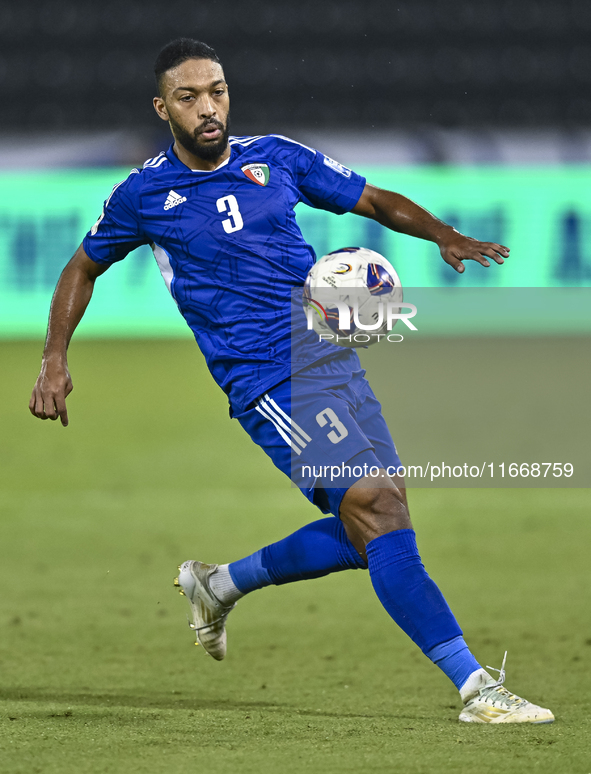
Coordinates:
196 104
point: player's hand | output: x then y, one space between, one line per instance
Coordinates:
51 389
459 248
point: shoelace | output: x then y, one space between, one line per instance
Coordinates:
223 617
501 671
497 693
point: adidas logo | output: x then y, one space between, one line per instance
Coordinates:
173 199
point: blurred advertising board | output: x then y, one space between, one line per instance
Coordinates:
542 214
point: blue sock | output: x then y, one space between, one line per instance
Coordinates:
455 659
416 604
313 551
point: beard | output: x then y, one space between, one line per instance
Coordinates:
208 150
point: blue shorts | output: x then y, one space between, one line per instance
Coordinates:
324 429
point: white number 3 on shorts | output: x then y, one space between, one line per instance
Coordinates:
339 430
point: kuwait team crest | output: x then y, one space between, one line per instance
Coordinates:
258 173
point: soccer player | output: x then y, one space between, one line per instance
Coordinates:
218 212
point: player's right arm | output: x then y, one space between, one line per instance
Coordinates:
115 234
71 297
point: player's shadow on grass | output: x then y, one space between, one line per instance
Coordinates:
160 701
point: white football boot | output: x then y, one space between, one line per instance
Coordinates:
209 615
492 703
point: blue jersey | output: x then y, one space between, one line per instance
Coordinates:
230 250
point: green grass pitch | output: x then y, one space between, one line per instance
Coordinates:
98 669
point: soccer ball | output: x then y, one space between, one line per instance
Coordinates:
349 296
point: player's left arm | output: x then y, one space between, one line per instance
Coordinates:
398 213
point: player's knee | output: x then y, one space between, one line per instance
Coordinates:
375 512
384 506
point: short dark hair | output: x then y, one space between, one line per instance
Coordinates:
178 51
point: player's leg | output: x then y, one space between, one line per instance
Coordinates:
452 656
376 517
378 524
377 520
315 550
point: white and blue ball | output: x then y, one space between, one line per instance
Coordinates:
357 279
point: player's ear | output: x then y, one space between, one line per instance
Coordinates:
160 108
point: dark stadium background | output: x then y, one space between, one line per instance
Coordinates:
312 67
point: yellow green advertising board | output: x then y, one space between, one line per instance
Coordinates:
543 214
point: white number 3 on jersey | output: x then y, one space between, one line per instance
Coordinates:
339 430
229 204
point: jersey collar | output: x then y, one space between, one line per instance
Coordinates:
174 159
